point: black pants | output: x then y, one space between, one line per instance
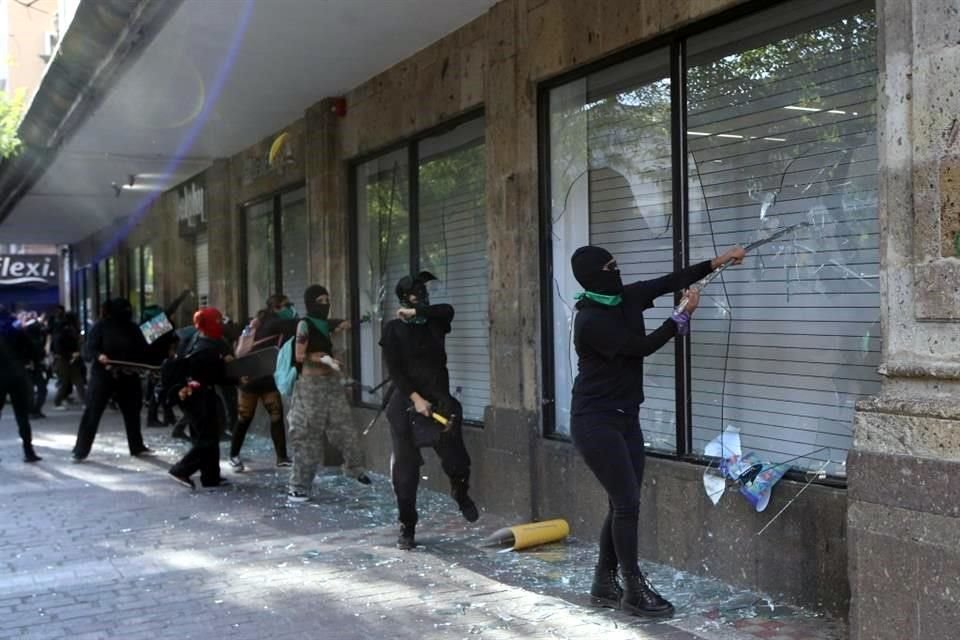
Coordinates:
407 460
204 456
70 374
126 390
612 446
39 377
18 388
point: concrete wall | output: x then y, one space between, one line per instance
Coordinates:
904 519
25 41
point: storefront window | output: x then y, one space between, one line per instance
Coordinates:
780 121
261 256
439 227
453 247
149 279
383 252
612 186
294 234
135 280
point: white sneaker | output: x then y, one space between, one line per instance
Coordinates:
237 464
297 496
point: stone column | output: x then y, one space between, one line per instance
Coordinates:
904 468
225 273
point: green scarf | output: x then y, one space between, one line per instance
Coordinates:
320 325
605 300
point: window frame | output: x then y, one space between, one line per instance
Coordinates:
276 198
411 144
676 42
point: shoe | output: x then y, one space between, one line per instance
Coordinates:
60 407
37 416
467 506
406 541
187 482
284 462
29 455
146 452
606 590
222 482
77 459
297 496
640 599
153 423
364 479
237 464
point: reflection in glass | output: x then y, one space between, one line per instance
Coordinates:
294 229
261 256
783 132
383 253
611 185
453 247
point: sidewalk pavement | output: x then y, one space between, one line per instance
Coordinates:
113 548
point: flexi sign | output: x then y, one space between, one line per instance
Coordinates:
37 270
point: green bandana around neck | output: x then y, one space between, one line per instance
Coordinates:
287 313
320 325
599 298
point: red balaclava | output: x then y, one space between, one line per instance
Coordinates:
210 321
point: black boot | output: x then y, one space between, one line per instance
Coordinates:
29 455
460 493
606 590
640 599
406 541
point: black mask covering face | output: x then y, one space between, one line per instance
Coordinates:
415 286
588 263
315 308
120 310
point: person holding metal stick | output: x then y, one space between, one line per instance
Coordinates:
414 348
611 342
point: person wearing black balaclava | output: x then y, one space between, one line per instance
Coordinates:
114 337
319 405
16 352
611 342
414 348
272 327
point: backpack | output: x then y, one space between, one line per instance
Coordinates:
285 373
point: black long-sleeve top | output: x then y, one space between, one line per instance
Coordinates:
611 343
116 339
16 351
416 354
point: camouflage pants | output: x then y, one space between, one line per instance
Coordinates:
319 407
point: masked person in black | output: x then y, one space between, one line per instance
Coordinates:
272 327
36 330
113 337
414 348
611 343
16 351
69 367
204 367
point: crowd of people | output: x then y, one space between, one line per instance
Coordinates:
194 371
609 335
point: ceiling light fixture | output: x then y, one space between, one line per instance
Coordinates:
729 135
798 108
698 133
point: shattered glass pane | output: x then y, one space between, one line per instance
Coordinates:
781 136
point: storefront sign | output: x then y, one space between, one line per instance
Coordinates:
191 209
30 270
